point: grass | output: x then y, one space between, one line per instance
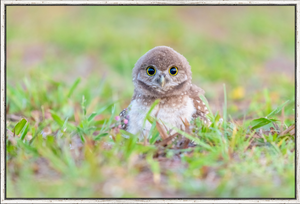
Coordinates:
69 75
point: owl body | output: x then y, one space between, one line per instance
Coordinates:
165 113
164 74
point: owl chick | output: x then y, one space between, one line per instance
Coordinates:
164 74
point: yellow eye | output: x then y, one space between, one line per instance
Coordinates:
151 71
173 71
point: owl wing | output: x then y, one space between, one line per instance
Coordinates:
123 119
201 109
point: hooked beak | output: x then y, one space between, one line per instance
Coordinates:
162 81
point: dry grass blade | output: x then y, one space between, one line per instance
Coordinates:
13 117
161 131
292 132
157 110
276 127
249 145
161 152
77 114
145 140
186 125
187 130
10 137
289 131
9 133
167 140
165 127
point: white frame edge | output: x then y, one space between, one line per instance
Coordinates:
3 111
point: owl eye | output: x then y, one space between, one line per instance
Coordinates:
173 71
151 71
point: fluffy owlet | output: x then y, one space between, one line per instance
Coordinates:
162 73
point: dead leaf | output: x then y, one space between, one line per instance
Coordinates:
273 131
46 131
48 114
186 143
36 115
28 137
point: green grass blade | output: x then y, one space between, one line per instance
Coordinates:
93 115
148 117
260 122
127 133
56 118
195 139
75 84
19 126
225 110
83 105
277 110
99 136
24 132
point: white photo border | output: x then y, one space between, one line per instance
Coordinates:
5 3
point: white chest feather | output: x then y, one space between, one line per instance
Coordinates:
170 115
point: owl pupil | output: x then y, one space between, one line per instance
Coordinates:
151 71
173 70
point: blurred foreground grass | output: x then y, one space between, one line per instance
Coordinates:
65 63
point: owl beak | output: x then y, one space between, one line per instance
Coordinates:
162 81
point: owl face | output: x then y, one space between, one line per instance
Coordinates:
162 72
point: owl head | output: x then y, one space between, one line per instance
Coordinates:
162 72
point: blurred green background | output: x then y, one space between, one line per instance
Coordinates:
250 49
50 49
